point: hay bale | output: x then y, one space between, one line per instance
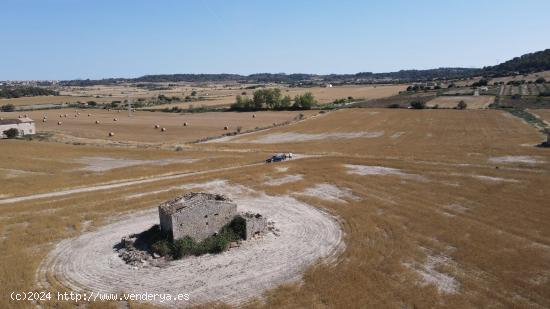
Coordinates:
226 128
89 115
111 134
44 120
253 115
163 129
185 124
26 115
115 119
97 122
59 123
157 126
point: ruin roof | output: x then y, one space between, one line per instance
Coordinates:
189 200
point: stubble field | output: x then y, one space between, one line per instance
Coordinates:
438 208
140 127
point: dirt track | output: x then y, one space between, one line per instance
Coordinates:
89 263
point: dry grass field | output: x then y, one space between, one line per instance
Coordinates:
544 114
442 208
474 102
224 97
141 126
42 100
211 95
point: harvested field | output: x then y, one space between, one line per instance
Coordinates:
544 114
323 95
61 99
474 102
459 232
141 126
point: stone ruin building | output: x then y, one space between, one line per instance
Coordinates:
200 215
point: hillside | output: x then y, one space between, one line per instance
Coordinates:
528 63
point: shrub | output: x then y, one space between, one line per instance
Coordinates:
540 80
461 105
11 133
516 97
418 105
179 248
481 82
8 108
394 105
162 247
436 106
183 247
305 101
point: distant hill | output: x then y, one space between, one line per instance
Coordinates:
528 63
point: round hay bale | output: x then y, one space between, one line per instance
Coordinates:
157 126
44 120
65 115
26 116
115 119
59 123
97 122
226 128
60 116
253 115
89 115
163 129
111 134
19 116
185 124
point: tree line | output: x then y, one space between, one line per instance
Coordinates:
272 99
18 92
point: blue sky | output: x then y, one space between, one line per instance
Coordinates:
68 39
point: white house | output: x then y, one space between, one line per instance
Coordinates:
25 126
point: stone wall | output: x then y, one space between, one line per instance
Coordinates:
198 221
255 224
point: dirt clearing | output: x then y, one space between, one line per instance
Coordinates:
304 235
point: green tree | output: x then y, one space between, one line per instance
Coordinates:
8 108
286 101
461 105
259 98
11 133
418 105
540 80
273 98
304 101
